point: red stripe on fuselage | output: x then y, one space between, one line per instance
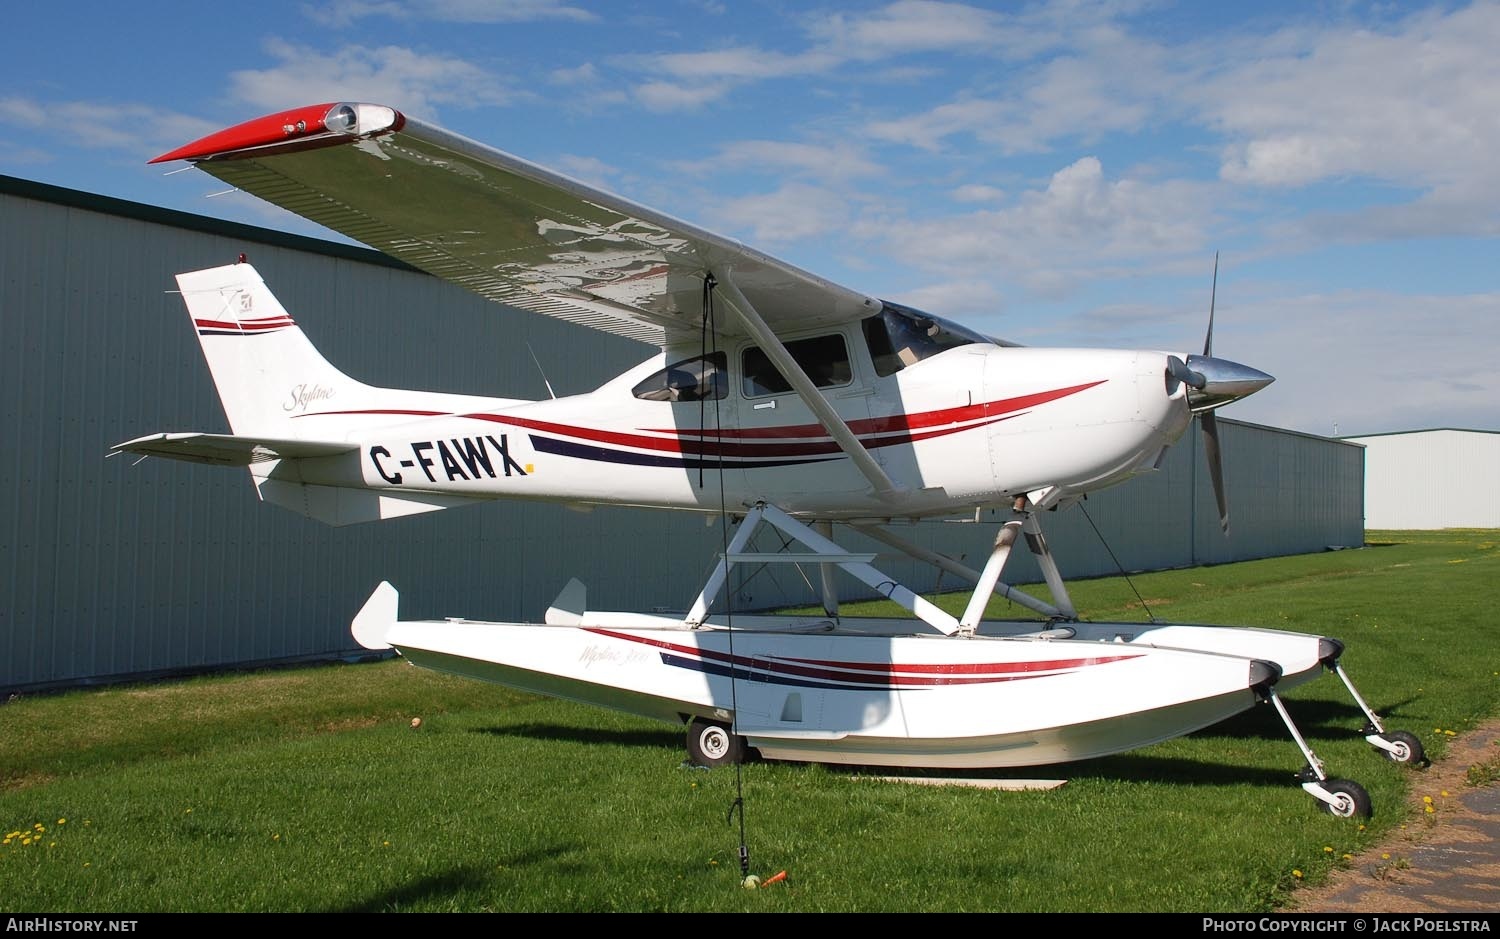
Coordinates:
814 437
1005 407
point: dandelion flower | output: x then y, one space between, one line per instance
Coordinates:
1327 849
1385 857
1427 799
1296 873
1430 810
64 821
1444 793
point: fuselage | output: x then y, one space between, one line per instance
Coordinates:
969 425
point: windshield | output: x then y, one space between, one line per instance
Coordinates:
899 336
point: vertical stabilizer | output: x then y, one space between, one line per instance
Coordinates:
268 374
264 367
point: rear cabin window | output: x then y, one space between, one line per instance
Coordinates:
825 359
701 378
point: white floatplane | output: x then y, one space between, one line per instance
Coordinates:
776 399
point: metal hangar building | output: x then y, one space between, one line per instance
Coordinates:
1425 479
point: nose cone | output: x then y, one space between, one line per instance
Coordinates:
1216 382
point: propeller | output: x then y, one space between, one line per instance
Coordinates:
1213 383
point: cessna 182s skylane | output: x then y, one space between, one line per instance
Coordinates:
776 398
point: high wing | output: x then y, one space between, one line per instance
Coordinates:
507 229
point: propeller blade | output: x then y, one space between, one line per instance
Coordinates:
1208 340
1215 465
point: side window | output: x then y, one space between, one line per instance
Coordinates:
697 379
825 359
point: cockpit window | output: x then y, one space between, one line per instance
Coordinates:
700 378
825 359
899 336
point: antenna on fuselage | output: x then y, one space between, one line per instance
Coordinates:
542 370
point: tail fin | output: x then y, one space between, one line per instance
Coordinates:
268 375
264 367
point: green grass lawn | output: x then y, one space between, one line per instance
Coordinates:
310 790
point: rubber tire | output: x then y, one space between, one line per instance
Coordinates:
710 743
1415 755
1354 801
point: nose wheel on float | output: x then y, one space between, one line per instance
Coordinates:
1343 798
1397 745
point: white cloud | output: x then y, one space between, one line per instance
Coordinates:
741 62
104 125
958 299
345 12
590 170
391 75
826 161
688 80
790 213
670 96
911 26
1412 105
585 74
977 192
1367 361
1108 81
1080 227
13 155
927 130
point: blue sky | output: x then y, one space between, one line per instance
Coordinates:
1057 173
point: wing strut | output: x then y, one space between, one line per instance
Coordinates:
805 388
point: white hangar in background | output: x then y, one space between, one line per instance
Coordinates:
111 570
1427 479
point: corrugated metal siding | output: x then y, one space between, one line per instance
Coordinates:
1430 479
1289 494
109 569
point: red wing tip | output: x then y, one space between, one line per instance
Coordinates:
310 127
283 127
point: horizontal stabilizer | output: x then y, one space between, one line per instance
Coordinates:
569 607
376 617
229 450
